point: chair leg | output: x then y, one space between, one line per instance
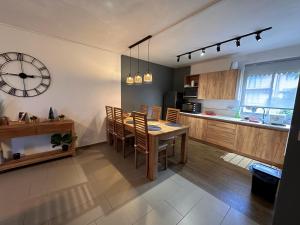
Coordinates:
166 159
147 164
135 158
123 148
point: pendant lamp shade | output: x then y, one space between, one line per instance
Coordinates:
148 78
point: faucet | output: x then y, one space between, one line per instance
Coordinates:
264 114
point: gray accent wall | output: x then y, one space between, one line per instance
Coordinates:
178 77
132 96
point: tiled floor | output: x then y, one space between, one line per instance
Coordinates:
99 187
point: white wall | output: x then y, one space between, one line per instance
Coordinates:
84 80
228 107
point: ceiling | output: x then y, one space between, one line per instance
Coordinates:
178 26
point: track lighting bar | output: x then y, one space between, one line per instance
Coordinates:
218 45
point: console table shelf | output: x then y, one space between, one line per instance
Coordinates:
16 129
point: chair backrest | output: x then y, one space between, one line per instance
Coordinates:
109 118
156 112
119 122
141 131
172 115
144 109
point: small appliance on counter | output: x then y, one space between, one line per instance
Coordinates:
191 107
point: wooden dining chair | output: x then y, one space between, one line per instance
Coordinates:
144 109
172 117
142 140
156 113
110 124
120 133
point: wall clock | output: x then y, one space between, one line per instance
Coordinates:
22 75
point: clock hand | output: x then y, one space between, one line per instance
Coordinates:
14 74
24 84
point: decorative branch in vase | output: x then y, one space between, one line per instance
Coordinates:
3 119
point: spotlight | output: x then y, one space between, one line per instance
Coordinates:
258 37
190 56
202 52
238 42
178 58
218 47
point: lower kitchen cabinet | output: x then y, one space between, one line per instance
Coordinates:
267 145
271 145
221 133
197 126
247 139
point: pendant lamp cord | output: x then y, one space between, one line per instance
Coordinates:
148 55
138 58
130 64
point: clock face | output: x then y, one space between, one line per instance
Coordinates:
22 75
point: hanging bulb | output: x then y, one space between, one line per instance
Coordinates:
218 48
190 56
238 42
178 58
258 37
129 80
202 52
138 79
148 78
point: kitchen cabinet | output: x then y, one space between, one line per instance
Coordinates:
202 87
247 139
197 126
264 144
221 133
271 145
218 85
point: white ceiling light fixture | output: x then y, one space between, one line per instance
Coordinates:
148 75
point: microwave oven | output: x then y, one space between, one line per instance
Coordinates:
191 107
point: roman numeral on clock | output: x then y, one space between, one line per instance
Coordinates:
37 91
44 85
25 93
42 68
6 57
45 77
20 57
2 83
12 91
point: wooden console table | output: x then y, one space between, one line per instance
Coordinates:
15 129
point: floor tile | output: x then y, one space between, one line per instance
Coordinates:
234 217
162 214
208 211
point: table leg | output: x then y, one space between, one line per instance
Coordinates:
153 157
184 143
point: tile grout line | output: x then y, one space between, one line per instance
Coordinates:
225 215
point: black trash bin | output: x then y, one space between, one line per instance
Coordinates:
265 180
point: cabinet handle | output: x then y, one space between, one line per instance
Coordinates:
299 135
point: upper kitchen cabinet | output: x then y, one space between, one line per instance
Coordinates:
218 85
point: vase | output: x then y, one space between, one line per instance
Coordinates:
65 147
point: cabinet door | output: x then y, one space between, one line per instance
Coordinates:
280 150
271 145
228 84
247 139
213 85
202 86
197 126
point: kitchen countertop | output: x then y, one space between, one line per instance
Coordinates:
239 121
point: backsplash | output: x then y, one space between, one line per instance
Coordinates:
220 107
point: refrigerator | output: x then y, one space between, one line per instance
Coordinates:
172 99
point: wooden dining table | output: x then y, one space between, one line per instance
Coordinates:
164 133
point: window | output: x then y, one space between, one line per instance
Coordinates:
270 89
271 85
